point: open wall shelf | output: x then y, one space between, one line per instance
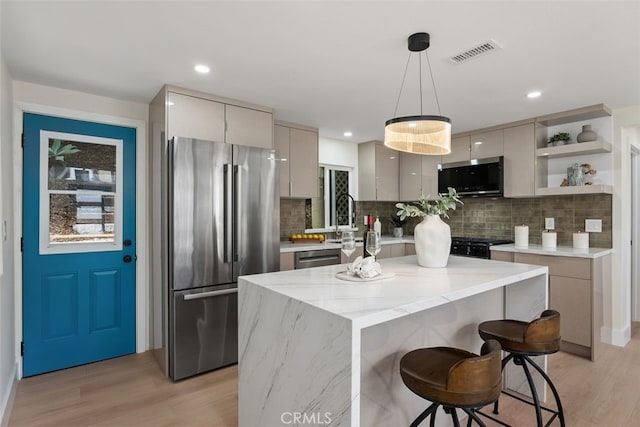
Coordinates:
570 150
584 189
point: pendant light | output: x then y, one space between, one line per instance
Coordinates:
421 134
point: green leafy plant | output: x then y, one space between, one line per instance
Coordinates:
397 221
560 136
58 151
424 207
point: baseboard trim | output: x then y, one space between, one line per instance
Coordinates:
617 337
10 394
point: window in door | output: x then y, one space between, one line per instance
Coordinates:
80 193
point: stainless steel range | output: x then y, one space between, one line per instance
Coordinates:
475 247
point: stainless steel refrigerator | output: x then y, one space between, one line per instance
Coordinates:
224 216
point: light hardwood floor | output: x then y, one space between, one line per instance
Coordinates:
131 391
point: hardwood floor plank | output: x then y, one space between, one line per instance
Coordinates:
132 391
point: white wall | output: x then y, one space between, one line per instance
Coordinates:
617 310
339 153
8 353
28 97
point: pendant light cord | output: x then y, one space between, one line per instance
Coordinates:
406 67
420 80
435 92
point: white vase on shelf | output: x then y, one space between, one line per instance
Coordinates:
433 242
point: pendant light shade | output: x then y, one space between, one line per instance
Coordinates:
419 134
423 134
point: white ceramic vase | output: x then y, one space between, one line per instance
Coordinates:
433 242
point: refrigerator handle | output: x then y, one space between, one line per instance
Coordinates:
235 213
227 216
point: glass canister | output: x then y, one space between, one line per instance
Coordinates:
575 175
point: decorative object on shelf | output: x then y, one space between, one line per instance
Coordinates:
432 236
397 222
587 134
560 138
588 171
581 240
549 239
575 175
522 236
423 134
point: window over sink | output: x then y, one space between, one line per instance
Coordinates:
328 209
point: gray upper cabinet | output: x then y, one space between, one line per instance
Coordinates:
297 148
378 172
475 146
196 115
519 161
281 141
193 117
246 126
410 176
418 175
459 150
486 144
430 176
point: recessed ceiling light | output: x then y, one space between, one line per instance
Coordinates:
478 143
348 134
534 94
202 69
412 125
170 103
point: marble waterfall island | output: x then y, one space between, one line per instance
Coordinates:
316 350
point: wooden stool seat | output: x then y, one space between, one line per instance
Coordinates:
453 378
541 336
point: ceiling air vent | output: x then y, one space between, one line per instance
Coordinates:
482 49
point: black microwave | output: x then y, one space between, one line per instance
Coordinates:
478 177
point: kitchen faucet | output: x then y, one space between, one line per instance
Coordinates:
353 210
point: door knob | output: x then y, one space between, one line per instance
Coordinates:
127 258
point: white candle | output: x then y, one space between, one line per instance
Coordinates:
581 240
549 239
522 236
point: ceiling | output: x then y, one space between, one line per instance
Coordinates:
336 65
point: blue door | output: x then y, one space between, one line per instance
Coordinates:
79 242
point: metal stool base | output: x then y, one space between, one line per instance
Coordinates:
524 360
451 410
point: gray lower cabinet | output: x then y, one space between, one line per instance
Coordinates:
287 261
391 251
575 291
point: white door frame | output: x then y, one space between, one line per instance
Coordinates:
142 267
635 233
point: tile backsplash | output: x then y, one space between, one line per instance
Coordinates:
486 217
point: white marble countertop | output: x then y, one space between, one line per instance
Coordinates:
567 251
412 289
301 246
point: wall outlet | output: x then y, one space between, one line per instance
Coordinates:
549 224
593 225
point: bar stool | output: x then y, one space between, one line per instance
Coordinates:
453 378
522 340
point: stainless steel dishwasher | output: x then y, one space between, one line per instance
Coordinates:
317 258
